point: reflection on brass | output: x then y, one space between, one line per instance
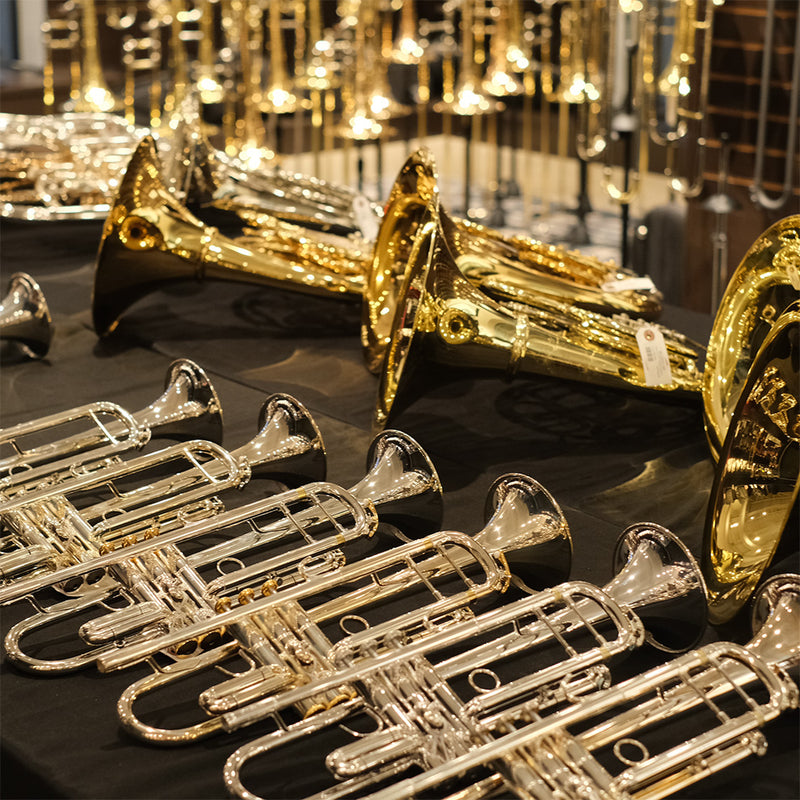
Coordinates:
758 477
149 239
62 166
766 281
437 310
24 316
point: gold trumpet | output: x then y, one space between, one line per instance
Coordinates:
25 320
758 478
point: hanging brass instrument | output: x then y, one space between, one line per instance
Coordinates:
54 526
718 696
94 95
156 585
454 568
462 325
25 320
757 480
407 686
764 284
758 193
61 446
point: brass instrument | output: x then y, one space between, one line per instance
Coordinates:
499 79
702 711
757 192
50 527
407 686
157 584
462 325
62 166
757 480
452 567
79 440
764 284
406 49
684 99
25 320
279 96
147 219
94 96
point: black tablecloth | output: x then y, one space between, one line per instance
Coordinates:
610 458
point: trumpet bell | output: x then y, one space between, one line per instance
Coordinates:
764 284
403 485
25 317
775 621
189 408
660 580
757 480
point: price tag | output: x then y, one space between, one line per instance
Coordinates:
794 276
644 283
655 359
365 218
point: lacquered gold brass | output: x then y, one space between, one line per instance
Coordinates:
438 310
764 284
757 481
150 238
95 96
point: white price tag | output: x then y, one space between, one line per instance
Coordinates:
629 285
655 359
365 219
794 276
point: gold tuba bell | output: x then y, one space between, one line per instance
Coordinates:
758 478
462 325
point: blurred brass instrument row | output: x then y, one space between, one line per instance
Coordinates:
473 655
637 71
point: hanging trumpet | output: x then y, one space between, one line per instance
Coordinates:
702 710
53 526
406 688
25 321
86 438
280 541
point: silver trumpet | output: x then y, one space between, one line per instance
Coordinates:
157 585
85 438
286 637
702 710
57 525
24 316
560 640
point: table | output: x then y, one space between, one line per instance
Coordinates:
610 458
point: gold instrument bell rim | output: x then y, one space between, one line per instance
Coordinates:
726 598
720 340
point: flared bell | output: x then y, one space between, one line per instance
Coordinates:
764 284
402 484
189 407
288 446
440 316
25 317
526 528
756 483
151 240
